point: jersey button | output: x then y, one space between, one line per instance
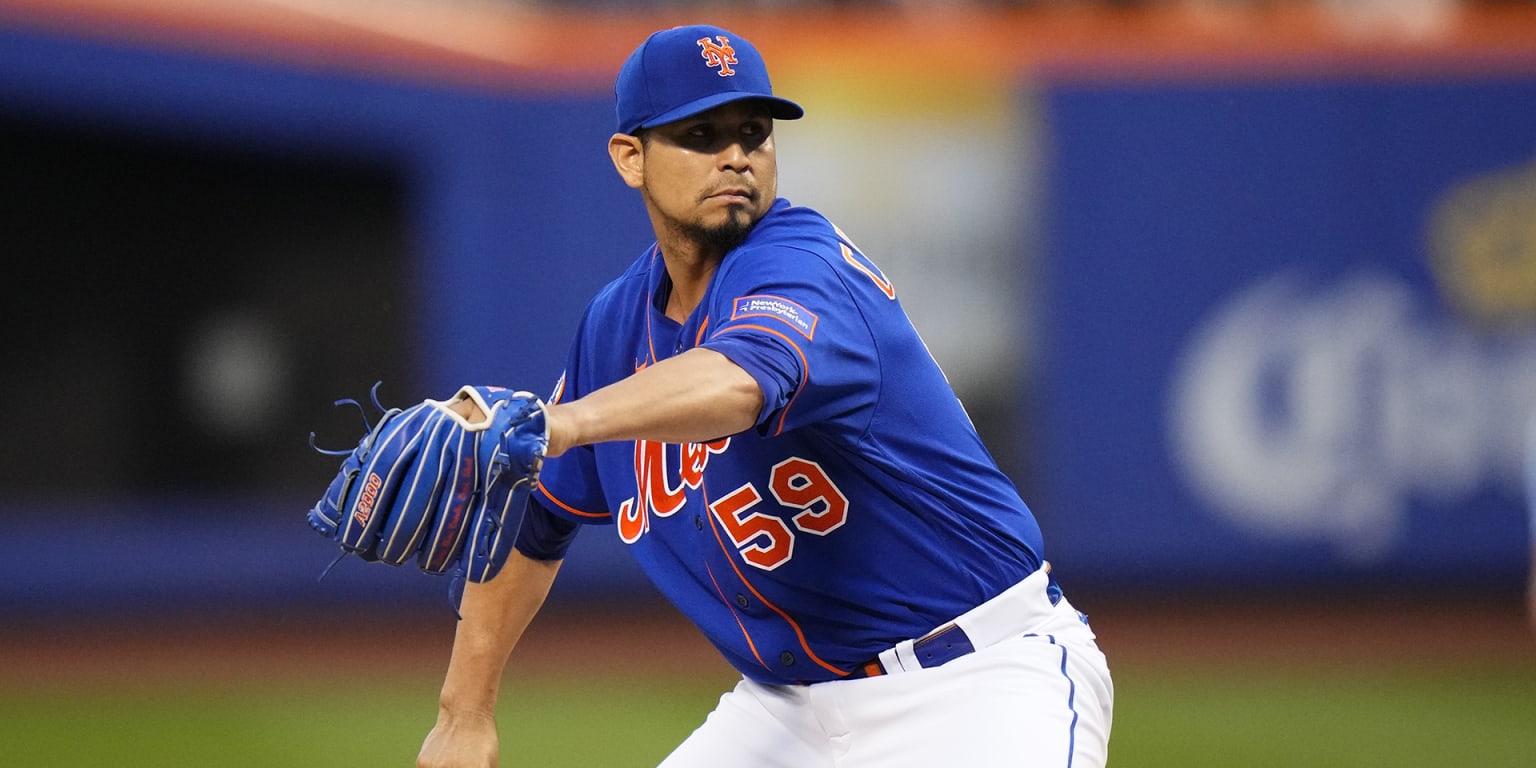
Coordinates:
787 659
741 600
698 522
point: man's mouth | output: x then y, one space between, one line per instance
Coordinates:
733 195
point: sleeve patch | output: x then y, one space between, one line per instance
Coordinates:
790 313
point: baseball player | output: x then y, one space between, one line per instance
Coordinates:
749 409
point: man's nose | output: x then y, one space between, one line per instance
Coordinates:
734 156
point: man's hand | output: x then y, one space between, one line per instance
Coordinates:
468 409
460 740
472 413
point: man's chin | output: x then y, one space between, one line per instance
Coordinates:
731 232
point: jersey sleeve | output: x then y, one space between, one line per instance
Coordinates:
789 318
542 534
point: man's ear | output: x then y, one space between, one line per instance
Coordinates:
628 155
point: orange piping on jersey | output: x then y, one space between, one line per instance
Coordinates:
874 275
697 340
804 644
805 367
736 616
645 307
559 393
569 508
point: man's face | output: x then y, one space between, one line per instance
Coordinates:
711 177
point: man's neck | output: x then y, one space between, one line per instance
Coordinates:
690 269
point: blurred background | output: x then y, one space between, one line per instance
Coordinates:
1242 293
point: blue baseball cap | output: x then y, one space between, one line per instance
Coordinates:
683 71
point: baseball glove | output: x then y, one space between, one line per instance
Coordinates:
426 482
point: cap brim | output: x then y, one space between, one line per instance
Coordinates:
780 109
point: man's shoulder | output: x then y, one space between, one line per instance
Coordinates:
791 231
787 221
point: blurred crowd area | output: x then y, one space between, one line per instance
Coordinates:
625 5
1395 20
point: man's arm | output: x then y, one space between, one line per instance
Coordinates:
696 396
495 613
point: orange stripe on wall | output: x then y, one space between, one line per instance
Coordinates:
499 46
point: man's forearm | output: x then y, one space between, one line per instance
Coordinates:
696 396
495 614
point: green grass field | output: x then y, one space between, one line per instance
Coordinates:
1165 716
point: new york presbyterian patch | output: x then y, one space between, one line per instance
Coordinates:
790 313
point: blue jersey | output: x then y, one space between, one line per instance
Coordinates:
862 510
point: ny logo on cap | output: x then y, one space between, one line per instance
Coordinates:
722 55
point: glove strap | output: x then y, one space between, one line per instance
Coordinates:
487 414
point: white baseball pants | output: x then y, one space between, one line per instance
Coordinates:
1036 694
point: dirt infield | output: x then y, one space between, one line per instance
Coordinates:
615 642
